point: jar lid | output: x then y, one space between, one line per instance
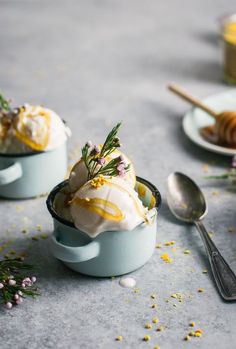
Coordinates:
228 28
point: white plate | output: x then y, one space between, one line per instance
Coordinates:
196 118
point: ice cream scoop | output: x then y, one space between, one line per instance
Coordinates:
79 173
31 128
106 204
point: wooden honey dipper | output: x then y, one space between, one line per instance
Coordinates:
225 122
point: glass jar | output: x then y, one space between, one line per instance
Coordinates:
228 30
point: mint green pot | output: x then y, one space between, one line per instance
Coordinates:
24 176
109 254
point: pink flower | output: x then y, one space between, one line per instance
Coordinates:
120 167
33 279
1 285
121 173
234 162
96 148
12 282
89 144
27 282
8 305
101 161
16 296
20 293
19 301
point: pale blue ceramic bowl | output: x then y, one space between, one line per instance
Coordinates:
111 253
28 175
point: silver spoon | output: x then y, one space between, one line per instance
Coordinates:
187 203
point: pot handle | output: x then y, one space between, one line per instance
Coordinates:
74 254
11 173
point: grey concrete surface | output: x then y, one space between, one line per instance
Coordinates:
95 63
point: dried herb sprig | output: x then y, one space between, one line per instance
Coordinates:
4 105
15 284
95 157
230 174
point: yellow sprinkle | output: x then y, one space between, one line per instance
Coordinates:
153 296
199 331
158 245
166 258
191 334
87 199
160 328
192 324
136 290
169 243
155 320
211 233
187 251
197 334
153 306
157 347
200 290
39 227
35 238
98 182
205 271
230 229
178 296
183 205
12 252
119 338
146 338
148 325
187 338
44 236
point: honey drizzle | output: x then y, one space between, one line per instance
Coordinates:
92 204
22 135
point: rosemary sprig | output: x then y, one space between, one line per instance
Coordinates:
15 284
95 157
4 105
230 174
112 142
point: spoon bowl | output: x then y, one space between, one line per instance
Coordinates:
186 201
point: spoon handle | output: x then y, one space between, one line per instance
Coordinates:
224 276
193 100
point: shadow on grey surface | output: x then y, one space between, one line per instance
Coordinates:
188 230
46 267
209 71
211 38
